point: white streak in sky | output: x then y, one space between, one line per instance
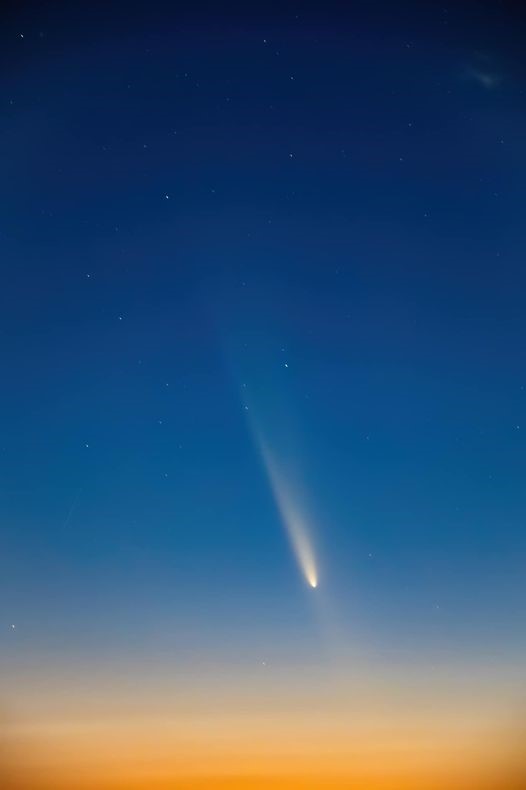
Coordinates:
72 508
291 516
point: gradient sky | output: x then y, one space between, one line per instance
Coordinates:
299 225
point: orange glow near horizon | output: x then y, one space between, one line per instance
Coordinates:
157 757
297 730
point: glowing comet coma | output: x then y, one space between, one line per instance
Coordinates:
291 516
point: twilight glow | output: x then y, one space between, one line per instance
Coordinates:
263 395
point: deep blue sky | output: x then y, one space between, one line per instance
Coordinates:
314 210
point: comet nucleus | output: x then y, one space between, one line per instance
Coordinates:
293 520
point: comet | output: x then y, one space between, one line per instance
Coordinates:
293 519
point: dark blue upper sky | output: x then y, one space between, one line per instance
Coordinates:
315 210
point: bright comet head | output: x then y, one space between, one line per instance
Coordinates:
311 576
292 518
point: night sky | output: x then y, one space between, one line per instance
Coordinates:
262 281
